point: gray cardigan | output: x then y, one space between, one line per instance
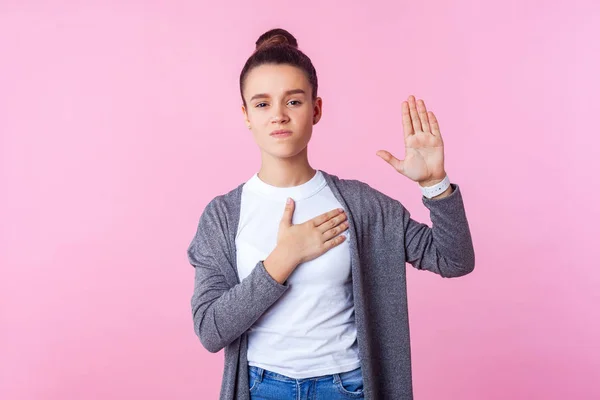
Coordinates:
383 238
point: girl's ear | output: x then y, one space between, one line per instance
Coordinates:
317 110
246 120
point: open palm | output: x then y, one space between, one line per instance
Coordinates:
424 148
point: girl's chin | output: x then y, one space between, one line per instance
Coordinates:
287 152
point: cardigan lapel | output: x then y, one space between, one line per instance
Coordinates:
358 278
233 218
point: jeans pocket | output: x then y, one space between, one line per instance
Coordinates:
350 383
255 375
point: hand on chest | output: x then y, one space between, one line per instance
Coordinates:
257 237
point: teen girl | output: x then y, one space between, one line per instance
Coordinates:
300 275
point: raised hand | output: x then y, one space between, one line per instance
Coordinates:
424 148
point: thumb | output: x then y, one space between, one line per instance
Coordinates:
288 213
393 161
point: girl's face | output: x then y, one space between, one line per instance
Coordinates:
279 98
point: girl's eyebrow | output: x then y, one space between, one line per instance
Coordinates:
287 93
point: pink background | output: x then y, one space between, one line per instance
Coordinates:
119 121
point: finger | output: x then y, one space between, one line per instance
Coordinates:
332 223
334 242
333 232
414 115
423 115
407 126
390 159
326 216
288 213
435 127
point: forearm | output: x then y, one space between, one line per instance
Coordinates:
446 248
451 235
280 264
221 316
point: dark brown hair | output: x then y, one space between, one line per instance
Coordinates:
278 46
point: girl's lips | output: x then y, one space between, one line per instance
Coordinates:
281 134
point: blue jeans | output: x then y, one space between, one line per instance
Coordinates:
268 385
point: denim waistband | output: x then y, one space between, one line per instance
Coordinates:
283 378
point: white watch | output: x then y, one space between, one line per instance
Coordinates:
438 188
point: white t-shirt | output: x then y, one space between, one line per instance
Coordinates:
310 331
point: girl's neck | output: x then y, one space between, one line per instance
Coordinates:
286 172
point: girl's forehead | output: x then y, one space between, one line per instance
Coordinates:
276 76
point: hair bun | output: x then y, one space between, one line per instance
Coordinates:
276 37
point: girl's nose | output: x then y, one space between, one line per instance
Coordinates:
279 116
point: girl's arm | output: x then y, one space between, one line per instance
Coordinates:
222 313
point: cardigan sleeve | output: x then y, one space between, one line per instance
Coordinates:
222 313
445 248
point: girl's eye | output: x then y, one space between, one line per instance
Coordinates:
295 101
259 105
